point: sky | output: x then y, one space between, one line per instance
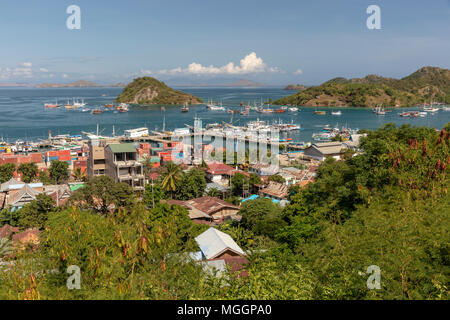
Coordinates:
210 41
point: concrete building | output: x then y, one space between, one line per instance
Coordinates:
121 164
321 150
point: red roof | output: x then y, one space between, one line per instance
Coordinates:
218 168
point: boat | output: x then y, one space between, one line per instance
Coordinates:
97 111
446 108
293 109
84 110
322 113
211 106
379 111
77 104
185 108
123 107
336 113
109 105
52 105
279 110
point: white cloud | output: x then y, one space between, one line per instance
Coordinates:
26 64
299 71
65 75
22 72
251 63
43 70
146 71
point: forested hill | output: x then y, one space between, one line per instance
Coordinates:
424 85
148 90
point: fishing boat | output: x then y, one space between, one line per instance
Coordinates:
84 110
78 104
293 109
211 106
322 113
336 113
52 105
185 108
109 105
279 110
97 111
446 108
69 106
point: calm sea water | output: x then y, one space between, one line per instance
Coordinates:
23 116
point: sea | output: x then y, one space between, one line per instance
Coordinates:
23 116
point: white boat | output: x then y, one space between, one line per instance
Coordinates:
78 104
293 109
211 106
336 113
446 108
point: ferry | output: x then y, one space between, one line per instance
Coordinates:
136 133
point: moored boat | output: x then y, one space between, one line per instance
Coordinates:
322 113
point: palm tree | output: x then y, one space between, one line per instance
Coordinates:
171 174
5 247
79 175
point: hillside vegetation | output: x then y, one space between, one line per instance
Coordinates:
148 90
424 85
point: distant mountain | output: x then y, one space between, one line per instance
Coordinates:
77 84
148 90
242 83
15 85
297 87
424 85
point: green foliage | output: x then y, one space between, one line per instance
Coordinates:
35 213
192 185
153 194
9 217
5 247
277 178
29 171
214 192
171 177
7 171
261 216
239 183
59 171
102 194
79 175
138 92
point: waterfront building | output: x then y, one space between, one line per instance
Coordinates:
321 150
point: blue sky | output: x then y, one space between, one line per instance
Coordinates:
199 41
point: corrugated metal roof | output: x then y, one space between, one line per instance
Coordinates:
122 147
212 242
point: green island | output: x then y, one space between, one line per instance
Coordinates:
386 206
148 90
423 86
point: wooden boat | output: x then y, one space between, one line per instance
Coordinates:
97 111
109 105
322 113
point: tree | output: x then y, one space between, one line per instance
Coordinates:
253 181
79 175
192 185
59 171
261 216
7 172
171 177
9 217
277 178
239 184
214 192
29 171
153 193
101 193
35 213
5 247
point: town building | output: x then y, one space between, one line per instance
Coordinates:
321 150
263 169
275 190
121 164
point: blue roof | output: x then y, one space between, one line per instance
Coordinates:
252 197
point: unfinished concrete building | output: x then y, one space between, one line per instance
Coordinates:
121 164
